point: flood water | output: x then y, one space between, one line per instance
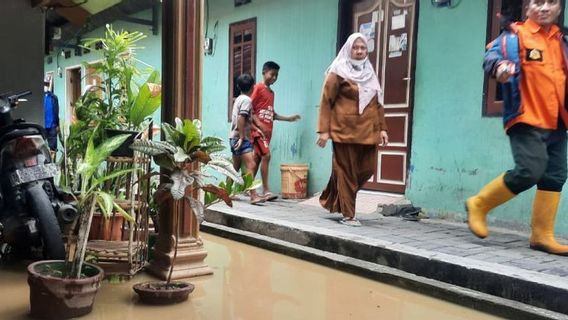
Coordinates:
254 284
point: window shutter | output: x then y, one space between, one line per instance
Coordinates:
242 55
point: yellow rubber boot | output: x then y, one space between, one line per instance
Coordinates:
545 207
489 197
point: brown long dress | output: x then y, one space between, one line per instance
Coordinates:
355 138
353 164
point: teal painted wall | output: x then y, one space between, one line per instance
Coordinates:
455 151
301 37
150 54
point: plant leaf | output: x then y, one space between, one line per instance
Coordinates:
180 155
173 136
105 202
153 148
113 175
200 156
165 161
181 180
197 208
198 177
192 135
225 167
123 212
146 103
219 192
103 151
213 148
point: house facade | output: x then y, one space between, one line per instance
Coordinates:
446 135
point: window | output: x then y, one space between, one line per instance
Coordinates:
242 55
516 10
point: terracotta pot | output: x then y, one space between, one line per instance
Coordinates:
106 229
53 297
156 292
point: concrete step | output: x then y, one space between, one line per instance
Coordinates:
534 295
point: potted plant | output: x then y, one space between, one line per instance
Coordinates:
119 104
66 289
182 177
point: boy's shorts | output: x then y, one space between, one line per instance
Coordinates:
246 146
261 145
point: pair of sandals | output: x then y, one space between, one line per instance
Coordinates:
269 196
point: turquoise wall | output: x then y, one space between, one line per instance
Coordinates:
301 37
455 151
150 53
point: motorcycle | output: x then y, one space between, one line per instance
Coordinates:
32 209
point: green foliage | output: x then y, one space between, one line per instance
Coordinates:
118 94
180 154
146 102
233 189
117 102
91 178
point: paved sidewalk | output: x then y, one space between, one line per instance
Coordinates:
502 265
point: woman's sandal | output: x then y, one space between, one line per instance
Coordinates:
350 222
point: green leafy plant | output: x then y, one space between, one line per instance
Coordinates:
92 196
123 101
118 101
184 158
233 189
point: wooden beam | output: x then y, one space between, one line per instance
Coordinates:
76 15
182 27
43 3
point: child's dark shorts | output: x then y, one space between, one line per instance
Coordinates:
246 147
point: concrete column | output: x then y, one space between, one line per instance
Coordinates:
182 26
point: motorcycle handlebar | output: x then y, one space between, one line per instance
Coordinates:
14 98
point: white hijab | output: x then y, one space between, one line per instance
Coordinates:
359 71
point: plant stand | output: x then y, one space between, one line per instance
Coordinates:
128 255
190 253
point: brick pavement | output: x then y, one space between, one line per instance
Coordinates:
501 265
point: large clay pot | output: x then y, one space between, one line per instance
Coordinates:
53 297
158 292
109 229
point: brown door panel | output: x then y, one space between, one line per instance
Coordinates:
392 37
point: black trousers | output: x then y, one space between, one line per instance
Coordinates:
52 138
540 158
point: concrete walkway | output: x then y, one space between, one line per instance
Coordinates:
500 275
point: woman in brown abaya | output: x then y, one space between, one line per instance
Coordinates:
351 115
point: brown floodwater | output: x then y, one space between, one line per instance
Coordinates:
255 284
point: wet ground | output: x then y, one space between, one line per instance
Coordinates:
253 284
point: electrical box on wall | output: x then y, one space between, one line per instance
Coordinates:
241 2
208 46
441 3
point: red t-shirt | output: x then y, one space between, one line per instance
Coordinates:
263 107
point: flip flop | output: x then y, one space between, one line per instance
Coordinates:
258 200
270 196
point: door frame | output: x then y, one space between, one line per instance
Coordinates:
345 28
68 107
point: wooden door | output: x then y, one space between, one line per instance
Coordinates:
389 25
73 89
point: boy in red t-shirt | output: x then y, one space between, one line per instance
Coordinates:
263 117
